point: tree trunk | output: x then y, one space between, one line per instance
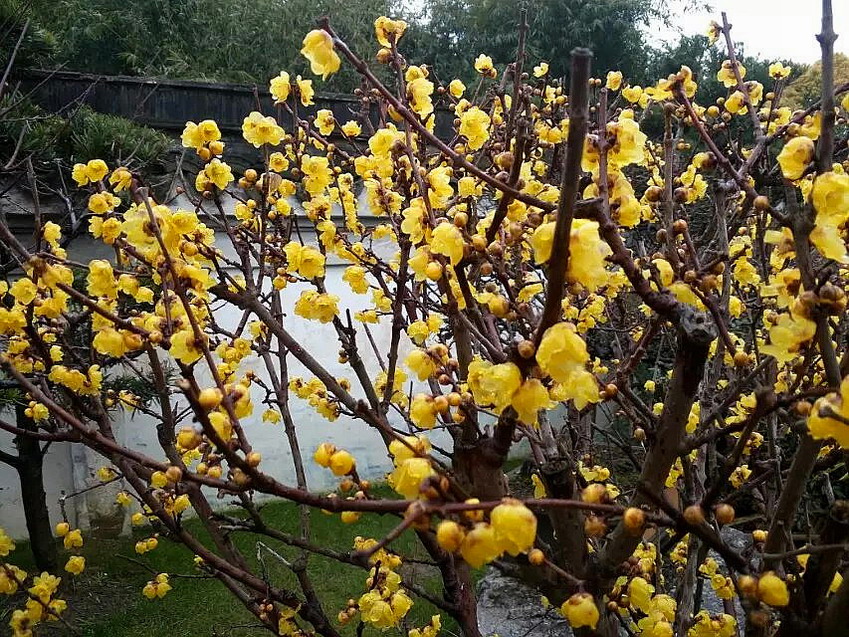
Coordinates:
30 470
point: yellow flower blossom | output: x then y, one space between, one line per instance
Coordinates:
795 157
483 65
280 87
613 81
474 126
388 31
318 48
259 130
515 527
580 610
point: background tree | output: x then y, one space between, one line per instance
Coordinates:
805 89
450 33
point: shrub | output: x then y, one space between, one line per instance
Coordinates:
550 274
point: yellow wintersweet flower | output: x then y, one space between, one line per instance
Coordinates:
632 93
494 384
529 399
580 610
7 545
388 31
419 91
277 162
73 539
515 527
421 364
778 71
541 69
456 88
44 586
306 91
704 625
830 196
630 141
105 474
483 65
431 630
355 276
408 476
562 354
820 423
317 174
811 126
613 81
305 260
375 610
91 172
726 73
739 476
75 564
319 50
447 240
23 291
474 126
773 590
184 348
280 87
795 157
101 279
324 121
102 202
157 587
351 129
588 254
325 450
341 463
480 545
790 332
423 411
218 173
539 486
259 130
271 415
736 103
412 447
198 135
120 179
313 305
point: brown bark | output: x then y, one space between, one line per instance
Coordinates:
694 336
30 467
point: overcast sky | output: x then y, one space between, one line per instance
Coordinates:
773 29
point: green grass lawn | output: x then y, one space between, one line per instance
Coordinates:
106 600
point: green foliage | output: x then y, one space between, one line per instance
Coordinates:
107 598
10 395
38 46
251 42
202 39
82 135
116 140
451 33
807 87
